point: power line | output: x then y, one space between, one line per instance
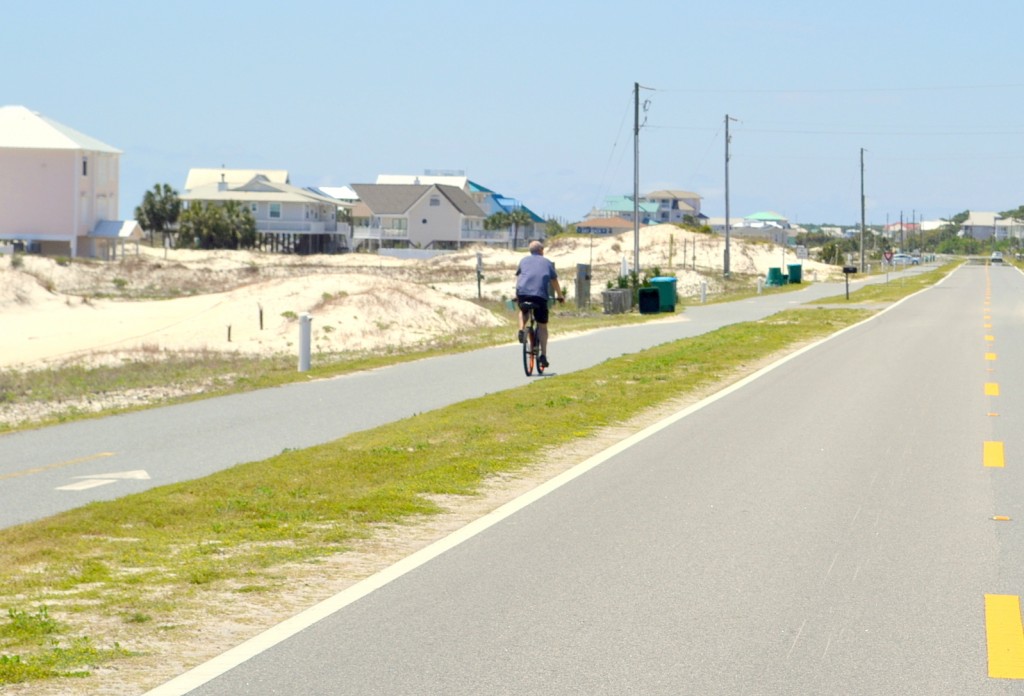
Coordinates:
840 90
867 130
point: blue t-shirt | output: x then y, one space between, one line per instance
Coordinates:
534 276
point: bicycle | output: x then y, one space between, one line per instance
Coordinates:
531 341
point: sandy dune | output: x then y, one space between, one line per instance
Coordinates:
52 312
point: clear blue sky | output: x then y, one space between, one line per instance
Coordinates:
534 99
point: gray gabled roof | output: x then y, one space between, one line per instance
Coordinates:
396 199
21 127
461 200
389 199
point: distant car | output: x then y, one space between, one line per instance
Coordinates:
997 257
905 260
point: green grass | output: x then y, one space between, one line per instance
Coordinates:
30 649
898 287
143 556
743 288
149 559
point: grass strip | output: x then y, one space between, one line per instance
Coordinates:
148 554
895 289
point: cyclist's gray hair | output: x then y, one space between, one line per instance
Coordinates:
536 247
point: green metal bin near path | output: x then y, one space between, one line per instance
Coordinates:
796 272
666 286
774 277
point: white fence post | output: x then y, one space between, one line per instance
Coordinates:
305 334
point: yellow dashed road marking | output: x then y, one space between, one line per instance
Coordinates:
1005 636
993 455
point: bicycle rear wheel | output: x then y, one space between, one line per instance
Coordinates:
528 342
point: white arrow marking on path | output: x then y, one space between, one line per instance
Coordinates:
85 485
97 480
139 474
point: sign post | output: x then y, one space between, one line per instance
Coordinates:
847 272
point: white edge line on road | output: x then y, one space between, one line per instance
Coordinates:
226 661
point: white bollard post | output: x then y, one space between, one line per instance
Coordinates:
703 291
760 285
305 334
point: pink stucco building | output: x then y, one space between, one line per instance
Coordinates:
58 188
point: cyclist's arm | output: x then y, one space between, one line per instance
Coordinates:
558 290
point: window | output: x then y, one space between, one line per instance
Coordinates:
275 210
85 166
434 201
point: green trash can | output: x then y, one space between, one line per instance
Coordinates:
666 286
648 300
796 272
774 277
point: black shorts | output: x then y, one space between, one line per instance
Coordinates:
540 307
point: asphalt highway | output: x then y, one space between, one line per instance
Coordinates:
846 521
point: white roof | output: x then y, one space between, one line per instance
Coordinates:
259 189
425 179
21 127
203 177
342 193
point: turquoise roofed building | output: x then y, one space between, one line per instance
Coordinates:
623 207
767 218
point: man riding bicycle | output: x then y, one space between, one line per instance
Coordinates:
534 276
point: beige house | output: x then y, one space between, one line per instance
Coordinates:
435 216
58 188
490 202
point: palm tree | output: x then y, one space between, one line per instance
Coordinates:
498 221
513 219
518 217
159 210
240 224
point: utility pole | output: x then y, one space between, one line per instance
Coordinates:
636 178
862 225
728 222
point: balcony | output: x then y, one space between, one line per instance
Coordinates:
295 227
379 233
478 235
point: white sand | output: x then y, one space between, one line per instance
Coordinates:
51 313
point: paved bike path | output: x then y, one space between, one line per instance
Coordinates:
49 470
